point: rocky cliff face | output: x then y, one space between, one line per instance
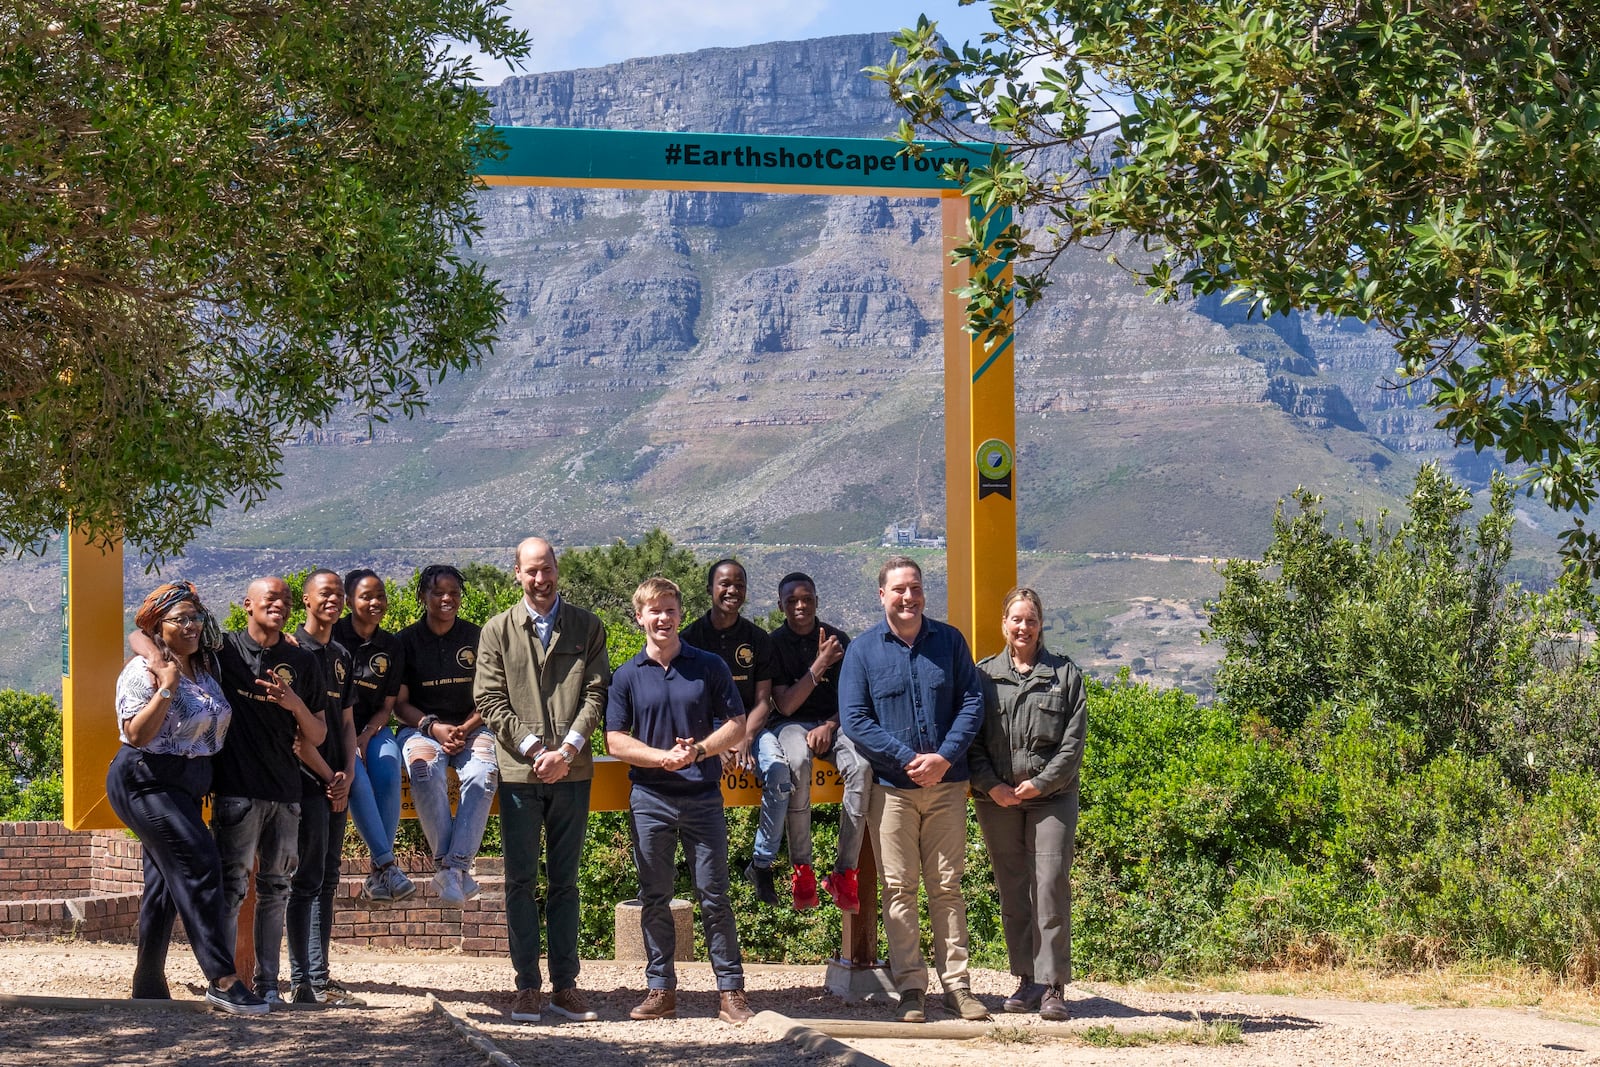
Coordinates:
788 87
762 368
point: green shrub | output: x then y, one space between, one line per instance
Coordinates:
30 757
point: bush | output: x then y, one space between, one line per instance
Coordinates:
30 757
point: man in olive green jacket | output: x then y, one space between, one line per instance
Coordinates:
540 685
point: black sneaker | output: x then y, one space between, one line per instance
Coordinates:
235 1000
761 878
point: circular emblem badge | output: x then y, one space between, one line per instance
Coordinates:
745 655
467 657
379 664
339 671
285 673
995 459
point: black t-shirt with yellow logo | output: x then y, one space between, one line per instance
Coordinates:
437 670
744 647
258 760
377 668
338 680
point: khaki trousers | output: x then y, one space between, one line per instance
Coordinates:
920 835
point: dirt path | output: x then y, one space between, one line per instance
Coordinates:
397 1028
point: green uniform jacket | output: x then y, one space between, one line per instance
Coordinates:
523 689
1034 726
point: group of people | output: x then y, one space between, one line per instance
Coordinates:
292 735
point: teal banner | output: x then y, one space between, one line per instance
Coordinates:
633 158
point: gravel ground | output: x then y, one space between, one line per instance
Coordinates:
398 1029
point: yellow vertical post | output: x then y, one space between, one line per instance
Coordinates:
980 438
91 638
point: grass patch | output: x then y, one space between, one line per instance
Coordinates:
1470 984
1012 1035
1216 1032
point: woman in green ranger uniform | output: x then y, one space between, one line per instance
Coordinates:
1025 779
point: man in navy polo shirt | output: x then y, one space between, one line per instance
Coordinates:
670 711
911 702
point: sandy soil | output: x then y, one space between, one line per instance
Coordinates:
397 1028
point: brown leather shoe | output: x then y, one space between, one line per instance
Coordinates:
526 1006
734 1007
1053 1005
657 1004
961 1002
570 1003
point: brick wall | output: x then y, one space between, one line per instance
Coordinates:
56 883
118 863
40 860
476 929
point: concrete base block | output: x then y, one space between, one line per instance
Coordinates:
629 935
855 982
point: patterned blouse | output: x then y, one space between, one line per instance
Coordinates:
197 719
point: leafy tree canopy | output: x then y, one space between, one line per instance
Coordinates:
30 756
219 221
1431 167
603 579
1413 624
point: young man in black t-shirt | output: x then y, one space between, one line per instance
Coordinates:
804 724
276 691
745 648
324 801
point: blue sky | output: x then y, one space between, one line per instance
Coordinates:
592 33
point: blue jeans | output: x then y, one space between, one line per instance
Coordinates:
247 828
659 821
316 882
558 813
454 839
375 796
784 765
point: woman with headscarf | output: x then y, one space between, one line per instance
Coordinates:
172 717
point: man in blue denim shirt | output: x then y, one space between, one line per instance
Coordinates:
911 702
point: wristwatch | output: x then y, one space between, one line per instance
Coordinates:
699 750
164 693
566 757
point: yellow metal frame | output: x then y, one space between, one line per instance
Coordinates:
980 440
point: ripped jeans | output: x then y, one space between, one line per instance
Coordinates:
454 840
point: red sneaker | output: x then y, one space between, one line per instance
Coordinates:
805 887
841 886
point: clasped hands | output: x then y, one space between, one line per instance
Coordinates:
928 768
680 755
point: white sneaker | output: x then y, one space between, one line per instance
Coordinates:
447 883
470 889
